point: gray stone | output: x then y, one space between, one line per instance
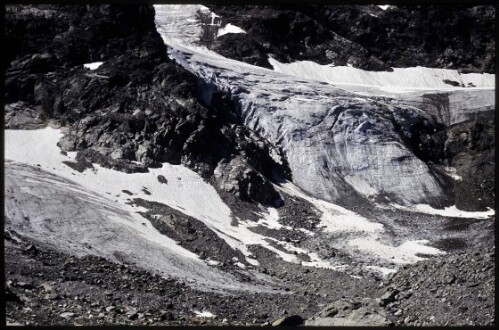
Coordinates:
110 308
388 297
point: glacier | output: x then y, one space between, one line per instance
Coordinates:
334 124
337 127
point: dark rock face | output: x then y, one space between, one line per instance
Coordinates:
136 107
470 147
365 36
284 33
64 42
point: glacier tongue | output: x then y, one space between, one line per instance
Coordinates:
339 138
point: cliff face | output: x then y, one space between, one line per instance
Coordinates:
137 107
366 37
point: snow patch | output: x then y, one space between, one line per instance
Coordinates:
451 211
240 265
191 195
403 254
92 66
229 28
334 218
212 262
204 314
452 172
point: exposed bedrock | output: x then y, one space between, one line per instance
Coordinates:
366 37
137 109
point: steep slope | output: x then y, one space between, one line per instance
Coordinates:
365 36
154 181
341 139
138 106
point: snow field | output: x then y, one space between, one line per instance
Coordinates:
185 191
369 239
97 212
401 79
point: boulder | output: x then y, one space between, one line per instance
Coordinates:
346 312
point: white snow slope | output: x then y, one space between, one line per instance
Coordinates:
401 79
74 210
87 213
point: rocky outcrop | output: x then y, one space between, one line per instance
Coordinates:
137 109
347 312
190 233
366 37
470 149
284 33
243 181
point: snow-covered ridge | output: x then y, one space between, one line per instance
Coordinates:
451 211
401 79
